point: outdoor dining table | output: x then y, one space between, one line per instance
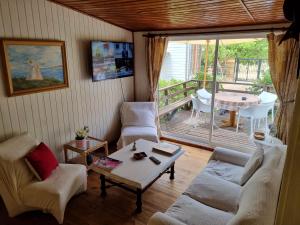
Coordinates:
232 102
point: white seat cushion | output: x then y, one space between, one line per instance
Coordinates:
252 165
205 188
226 171
133 133
138 114
52 194
192 212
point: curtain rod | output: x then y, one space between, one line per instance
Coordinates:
216 32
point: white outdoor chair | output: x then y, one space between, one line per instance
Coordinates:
256 114
204 95
266 98
138 121
199 106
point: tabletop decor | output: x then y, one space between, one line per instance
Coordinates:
32 66
81 135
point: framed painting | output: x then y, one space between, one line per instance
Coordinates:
32 66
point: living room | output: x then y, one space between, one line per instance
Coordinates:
90 70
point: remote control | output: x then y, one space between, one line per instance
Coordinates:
155 160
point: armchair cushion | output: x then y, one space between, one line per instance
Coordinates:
138 114
252 165
41 161
132 133
52 195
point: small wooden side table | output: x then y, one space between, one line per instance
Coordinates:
92 144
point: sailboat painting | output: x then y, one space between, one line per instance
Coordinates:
34 66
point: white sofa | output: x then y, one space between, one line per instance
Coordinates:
216 197
22 192
138 121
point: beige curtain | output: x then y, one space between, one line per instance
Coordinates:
155 50
283 61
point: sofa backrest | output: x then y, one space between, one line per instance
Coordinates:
138 114
259 197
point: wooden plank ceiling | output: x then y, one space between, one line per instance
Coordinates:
142 15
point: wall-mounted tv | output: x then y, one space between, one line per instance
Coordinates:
111 60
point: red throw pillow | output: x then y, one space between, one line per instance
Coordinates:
42 160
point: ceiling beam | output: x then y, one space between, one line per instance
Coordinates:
247 10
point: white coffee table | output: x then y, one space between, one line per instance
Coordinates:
137 175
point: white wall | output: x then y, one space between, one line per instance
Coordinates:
175 62
54 116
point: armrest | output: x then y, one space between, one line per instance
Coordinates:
230 156
163 219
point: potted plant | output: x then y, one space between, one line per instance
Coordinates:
81 135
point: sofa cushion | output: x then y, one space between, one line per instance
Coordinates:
226 171
260 194
205 188
42 161
192 212
252 165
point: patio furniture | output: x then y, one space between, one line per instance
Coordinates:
138 121
218 195
199 106
204 95
137 175
256 113
21 191
234 102
267 97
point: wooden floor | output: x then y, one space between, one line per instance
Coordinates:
118 207
197 130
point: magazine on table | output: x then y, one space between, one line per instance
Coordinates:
166 148
107 163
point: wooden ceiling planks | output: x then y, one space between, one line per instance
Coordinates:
145 15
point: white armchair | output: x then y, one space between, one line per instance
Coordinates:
138 121
22 192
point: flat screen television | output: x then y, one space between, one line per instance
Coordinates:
111 60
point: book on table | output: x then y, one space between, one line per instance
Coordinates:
107 163
166 148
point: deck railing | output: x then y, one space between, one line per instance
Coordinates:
178 95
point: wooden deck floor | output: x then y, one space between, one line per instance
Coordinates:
118 207
198 131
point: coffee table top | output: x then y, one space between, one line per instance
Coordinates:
138 173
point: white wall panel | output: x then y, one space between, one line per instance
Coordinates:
54 116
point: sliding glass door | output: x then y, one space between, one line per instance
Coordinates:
206 84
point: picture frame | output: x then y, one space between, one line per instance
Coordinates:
32 66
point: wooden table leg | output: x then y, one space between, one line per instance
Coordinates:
172 172
66 154
102 185
106 149
138 200
231 122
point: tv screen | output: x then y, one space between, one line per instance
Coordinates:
111 60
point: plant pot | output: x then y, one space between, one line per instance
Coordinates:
80 143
